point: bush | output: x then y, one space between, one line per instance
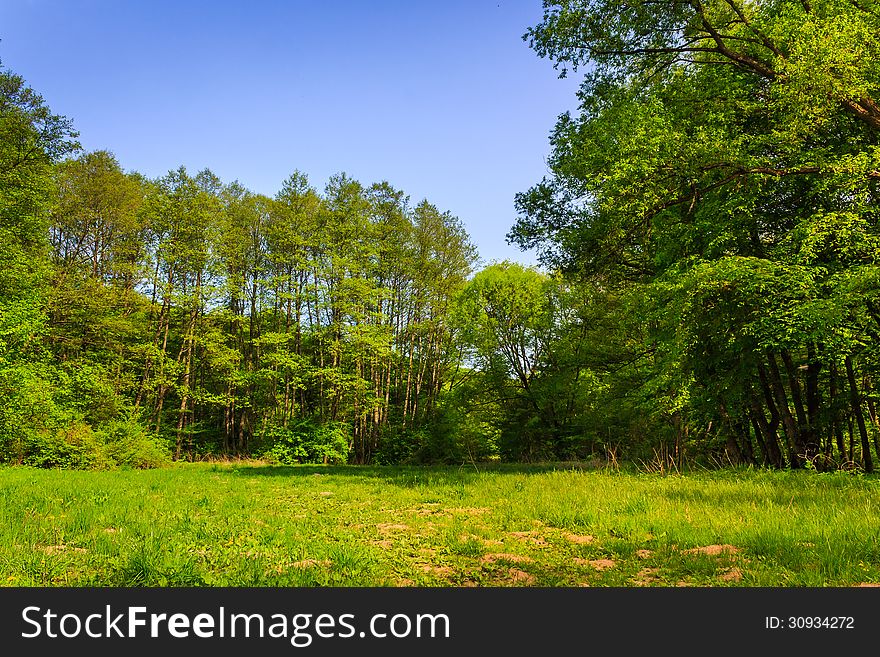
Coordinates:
452 436
50 419
308 442
75 446
398 445
129 444
457 436
28 413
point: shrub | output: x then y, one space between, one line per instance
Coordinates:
129 444
74 446
308 442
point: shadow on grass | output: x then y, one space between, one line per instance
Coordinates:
408 476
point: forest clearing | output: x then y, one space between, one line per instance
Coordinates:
314 378
250 524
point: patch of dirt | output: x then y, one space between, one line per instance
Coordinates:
521 577
644 554
442 571
580 539
55 549
390 527
602 564
713 550
532 537
311 563
646 577
867 585
111 530
385 544
732 575
492 557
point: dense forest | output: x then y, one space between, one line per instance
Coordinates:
709 290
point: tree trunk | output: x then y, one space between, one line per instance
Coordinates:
855 403
807 446
833 402
788 423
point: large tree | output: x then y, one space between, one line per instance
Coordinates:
32 139
723 168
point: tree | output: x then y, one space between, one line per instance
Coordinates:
32 139
525 332
724 165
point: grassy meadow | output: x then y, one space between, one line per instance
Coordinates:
257 525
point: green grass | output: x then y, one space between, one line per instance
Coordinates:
253 525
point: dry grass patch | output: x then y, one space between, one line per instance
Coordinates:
580 539
55 549
521 577
647 576
311 563
492 557
713 550
440 571
469 510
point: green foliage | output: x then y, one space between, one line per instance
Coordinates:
533 397
31 140
76 445
308 442
126 443
28 412
721 178
398 445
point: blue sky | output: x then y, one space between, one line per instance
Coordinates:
442 99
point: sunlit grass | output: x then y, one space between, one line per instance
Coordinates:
250 525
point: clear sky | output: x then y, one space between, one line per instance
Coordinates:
443 99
